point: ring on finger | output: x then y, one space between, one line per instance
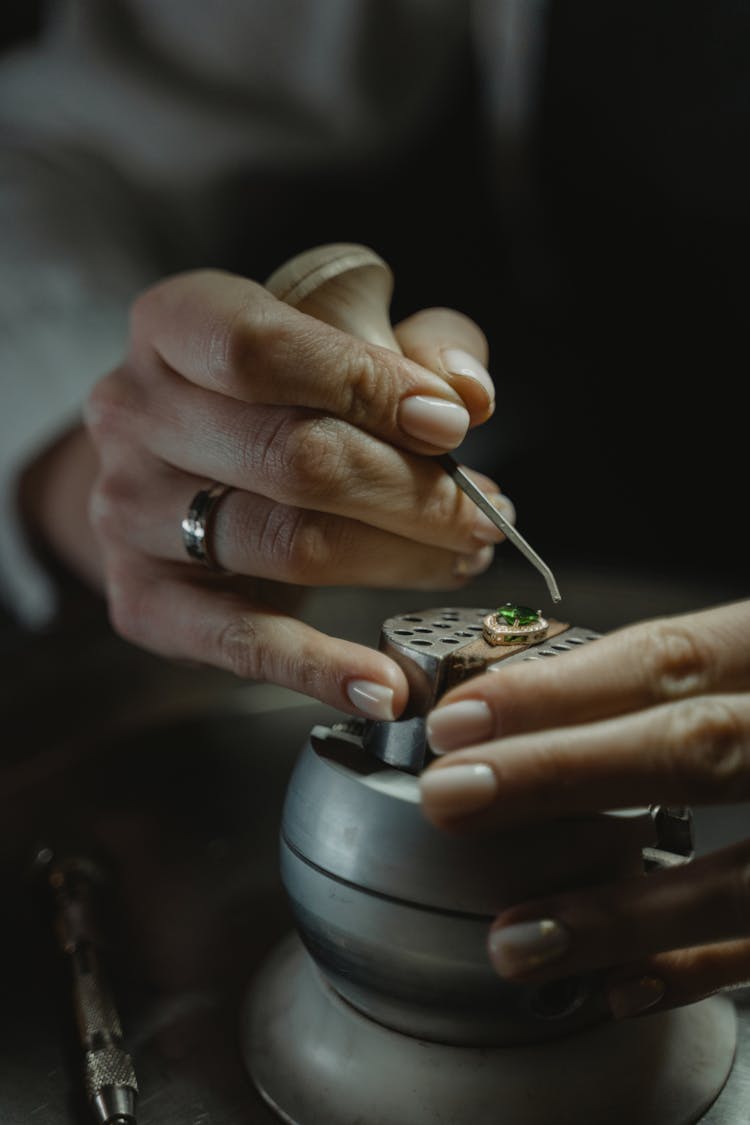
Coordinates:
197 523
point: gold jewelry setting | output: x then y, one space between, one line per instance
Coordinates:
513 625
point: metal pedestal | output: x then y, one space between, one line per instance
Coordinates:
317 1061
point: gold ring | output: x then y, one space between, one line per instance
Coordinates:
513 625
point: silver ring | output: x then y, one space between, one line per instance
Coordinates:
195 525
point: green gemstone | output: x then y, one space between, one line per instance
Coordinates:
517 614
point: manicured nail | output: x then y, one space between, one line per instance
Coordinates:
456 790
373 700
467 566
631 997
459 724
458 362
434 420
484 528
517 949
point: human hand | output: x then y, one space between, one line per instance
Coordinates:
325 442
658 712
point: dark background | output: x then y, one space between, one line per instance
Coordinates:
20 21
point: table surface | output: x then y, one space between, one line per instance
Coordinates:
177 776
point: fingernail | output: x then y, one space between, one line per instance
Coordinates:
434 420
459 724
458 789
505 504
484 529
630 997
469 565
516 949
373 700
458 362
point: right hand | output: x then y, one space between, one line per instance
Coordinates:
326 443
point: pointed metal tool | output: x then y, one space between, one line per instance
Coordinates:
466 484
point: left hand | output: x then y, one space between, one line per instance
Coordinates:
658 712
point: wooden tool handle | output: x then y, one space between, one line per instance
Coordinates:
343 284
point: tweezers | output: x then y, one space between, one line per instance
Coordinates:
466 484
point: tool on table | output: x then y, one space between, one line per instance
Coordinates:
109 1075
350 287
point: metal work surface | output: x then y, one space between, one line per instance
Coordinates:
183 795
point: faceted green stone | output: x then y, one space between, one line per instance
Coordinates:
517 614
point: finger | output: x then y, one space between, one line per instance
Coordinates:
230 335
671 980
691 905
636 667
696 751
251 535
191 614
293 456
452 345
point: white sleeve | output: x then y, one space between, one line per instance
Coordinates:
74 252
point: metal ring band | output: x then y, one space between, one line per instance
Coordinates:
195 525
